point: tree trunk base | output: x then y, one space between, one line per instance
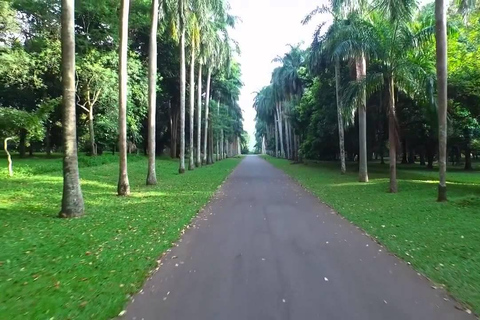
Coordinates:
442 193
191 166
181 170
363 178
123 189
151 180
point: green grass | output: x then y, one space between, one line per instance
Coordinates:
441 240
85 268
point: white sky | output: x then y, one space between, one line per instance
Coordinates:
267 27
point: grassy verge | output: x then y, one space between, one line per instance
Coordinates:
85 268
441 240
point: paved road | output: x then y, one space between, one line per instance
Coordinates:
264 248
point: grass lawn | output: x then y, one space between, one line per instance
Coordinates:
86 268
441 240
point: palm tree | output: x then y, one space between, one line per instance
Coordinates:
181 15
442 74
123 188
392 69
199 113
341 9
152 95
72 198
194 42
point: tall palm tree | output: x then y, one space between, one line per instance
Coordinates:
72 198
442 74
194 32
152 94
182 21
123 188
199 113
340 10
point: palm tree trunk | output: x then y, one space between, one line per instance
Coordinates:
72 198
362 121
222 140
210 146
280 129
392 137
441 51
207 107
152 95
181 169
341 131
199 116
276 136
123 188
191 163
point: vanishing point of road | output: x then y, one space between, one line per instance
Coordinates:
264 248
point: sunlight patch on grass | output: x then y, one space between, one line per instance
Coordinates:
85 268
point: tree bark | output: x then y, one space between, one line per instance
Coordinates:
280 128
48 140
152 96
9 157
191 161
441 52
210 146
123 188
72 198
392 137
91 129
207 107
468 158
404 151
341 132
276 135
362 121
22 143
181 169
199 117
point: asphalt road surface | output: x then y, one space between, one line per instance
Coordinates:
264 248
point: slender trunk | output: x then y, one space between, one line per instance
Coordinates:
404 151
30 150
191 162
210 146
276 135
280 129
207 107
181 169
287 146
392 138
341 132
199 117
441 51
21 146
93 145
9 157
123 184
362 121
222 144
422 157
468 158
48 143
219 143
152 96
72 198
263 144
